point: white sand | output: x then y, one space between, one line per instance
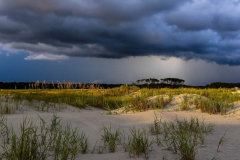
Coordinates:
92 119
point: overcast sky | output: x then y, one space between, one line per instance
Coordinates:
120 41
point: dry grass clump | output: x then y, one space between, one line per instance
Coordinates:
9 105
212 107
184 105
40 143
111 138
205 104
138 143
12 105
181 137
161 102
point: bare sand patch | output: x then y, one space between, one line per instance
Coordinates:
90 121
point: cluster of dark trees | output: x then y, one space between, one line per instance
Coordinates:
173 81
148 81
155 83
222 85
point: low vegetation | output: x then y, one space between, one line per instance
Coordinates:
111 138
181 137
138 143
130 98
43 141
55 141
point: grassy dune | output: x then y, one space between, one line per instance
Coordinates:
56 140
129 97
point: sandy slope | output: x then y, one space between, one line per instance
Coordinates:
91 120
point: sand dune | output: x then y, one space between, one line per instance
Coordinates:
90 121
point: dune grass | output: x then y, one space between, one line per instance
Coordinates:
181 137
55 141
111 138
43 141
130 98
138 143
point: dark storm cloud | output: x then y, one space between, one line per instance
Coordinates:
56 29
106 10
207 14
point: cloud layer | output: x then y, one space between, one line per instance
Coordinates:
188 29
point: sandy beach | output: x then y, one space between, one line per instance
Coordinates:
91 120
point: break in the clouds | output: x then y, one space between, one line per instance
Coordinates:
58 29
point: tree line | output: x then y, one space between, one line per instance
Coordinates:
58 85
222 85
160 83
147 83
